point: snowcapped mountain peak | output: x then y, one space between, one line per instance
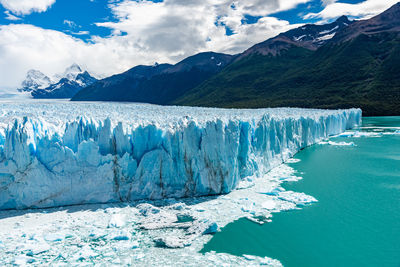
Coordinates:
34 80
64 85
73 68
71 72
34 73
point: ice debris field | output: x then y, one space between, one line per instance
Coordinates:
168 232
159 173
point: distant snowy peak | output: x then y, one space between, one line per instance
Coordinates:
71 72
67 87
64 85
74 68
34 80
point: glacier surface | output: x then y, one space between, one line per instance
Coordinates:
60 153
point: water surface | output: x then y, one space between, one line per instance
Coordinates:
357 219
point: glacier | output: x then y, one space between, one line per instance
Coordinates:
57 153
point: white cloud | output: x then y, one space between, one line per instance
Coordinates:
182 27
328 2
162 32
70 23
361 10
10 16
81 33
24 7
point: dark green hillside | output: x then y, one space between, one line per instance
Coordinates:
363 72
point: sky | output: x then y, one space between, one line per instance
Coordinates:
111 36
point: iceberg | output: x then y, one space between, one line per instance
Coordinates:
60 153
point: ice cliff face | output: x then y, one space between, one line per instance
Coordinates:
54 154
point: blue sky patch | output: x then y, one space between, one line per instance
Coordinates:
73 17
296 14
250 19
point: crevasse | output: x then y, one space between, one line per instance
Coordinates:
49 159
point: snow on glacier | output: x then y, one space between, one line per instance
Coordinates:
60 153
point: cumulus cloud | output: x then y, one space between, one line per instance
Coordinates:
164 32
182 27
24 7
361 10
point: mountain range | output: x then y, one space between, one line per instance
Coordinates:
358 67
337 65
64 85
164 83
157 84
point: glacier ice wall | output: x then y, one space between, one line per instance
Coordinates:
55 154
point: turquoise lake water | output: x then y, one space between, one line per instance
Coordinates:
356 221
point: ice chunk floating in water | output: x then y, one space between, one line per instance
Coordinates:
58 153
